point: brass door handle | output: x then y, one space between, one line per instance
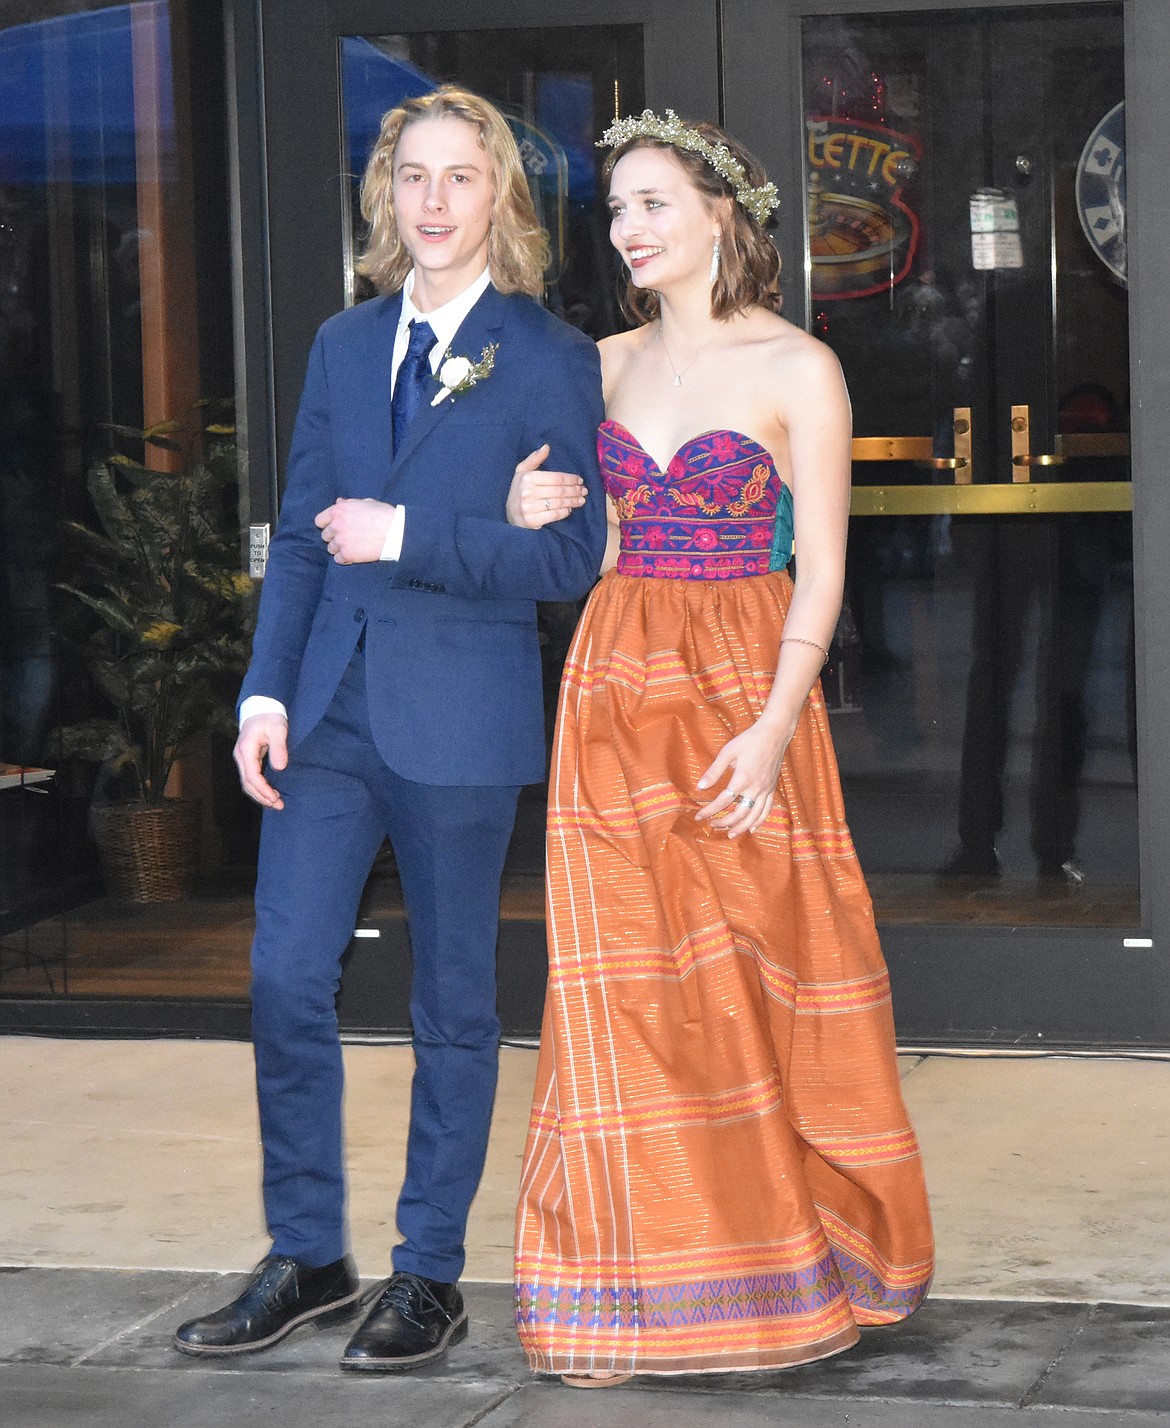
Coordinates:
920 449
1022 458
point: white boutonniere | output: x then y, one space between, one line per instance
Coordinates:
459 374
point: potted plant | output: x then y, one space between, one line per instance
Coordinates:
166 643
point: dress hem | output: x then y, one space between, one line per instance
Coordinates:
839 1343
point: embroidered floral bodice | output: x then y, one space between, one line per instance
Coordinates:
718 511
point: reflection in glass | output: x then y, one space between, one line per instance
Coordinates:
988 755
70 357
106 263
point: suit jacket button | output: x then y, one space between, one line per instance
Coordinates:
359 615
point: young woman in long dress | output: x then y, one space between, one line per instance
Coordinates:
720 1171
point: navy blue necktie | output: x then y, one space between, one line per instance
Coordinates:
414 380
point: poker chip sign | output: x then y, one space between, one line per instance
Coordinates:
1101 191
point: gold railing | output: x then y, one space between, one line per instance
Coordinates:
1022 496
1008 498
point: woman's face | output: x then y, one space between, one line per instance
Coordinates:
660 223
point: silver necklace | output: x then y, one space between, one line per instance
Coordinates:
678 376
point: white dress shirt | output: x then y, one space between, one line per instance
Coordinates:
444 322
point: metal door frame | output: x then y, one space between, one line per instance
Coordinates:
1025 986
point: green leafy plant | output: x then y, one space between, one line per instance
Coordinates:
168 604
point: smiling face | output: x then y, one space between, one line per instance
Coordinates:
660 223
443 192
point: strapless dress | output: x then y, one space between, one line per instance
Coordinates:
720 1172
718 512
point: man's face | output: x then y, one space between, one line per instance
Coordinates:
443 202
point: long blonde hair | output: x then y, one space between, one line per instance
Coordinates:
518 251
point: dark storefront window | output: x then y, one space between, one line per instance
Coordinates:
114 313
966 261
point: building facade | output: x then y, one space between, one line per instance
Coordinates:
973 216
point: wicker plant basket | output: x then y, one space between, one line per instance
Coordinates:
149 852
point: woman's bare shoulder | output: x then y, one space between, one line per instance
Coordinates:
800 366
793 346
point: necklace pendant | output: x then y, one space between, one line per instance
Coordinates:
677 380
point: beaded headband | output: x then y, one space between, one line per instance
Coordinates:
759 202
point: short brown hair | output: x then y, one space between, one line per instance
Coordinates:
749 265
518 250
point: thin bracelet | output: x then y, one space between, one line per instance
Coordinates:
796 640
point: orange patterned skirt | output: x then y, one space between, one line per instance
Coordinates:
720 1171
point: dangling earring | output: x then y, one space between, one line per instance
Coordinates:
715 259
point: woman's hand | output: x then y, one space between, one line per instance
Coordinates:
538 497
753 758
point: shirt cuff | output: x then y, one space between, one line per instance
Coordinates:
393 547
261 704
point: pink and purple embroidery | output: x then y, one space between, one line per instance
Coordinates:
713 514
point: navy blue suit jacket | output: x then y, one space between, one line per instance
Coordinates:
452 656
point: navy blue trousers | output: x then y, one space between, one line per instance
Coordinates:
340 801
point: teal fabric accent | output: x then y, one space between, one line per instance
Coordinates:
782 535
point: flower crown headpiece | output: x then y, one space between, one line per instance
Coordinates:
759 202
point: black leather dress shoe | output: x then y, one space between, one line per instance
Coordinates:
413 1322
281 1295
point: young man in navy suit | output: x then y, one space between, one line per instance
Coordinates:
395 691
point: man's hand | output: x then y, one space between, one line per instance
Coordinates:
261 735
355 530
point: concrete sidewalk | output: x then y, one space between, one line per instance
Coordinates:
129 1186
93 1347
1049 1178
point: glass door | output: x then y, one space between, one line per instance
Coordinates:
970 273
963 209
331 71
558 86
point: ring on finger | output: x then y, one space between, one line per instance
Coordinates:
745 800
547 504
